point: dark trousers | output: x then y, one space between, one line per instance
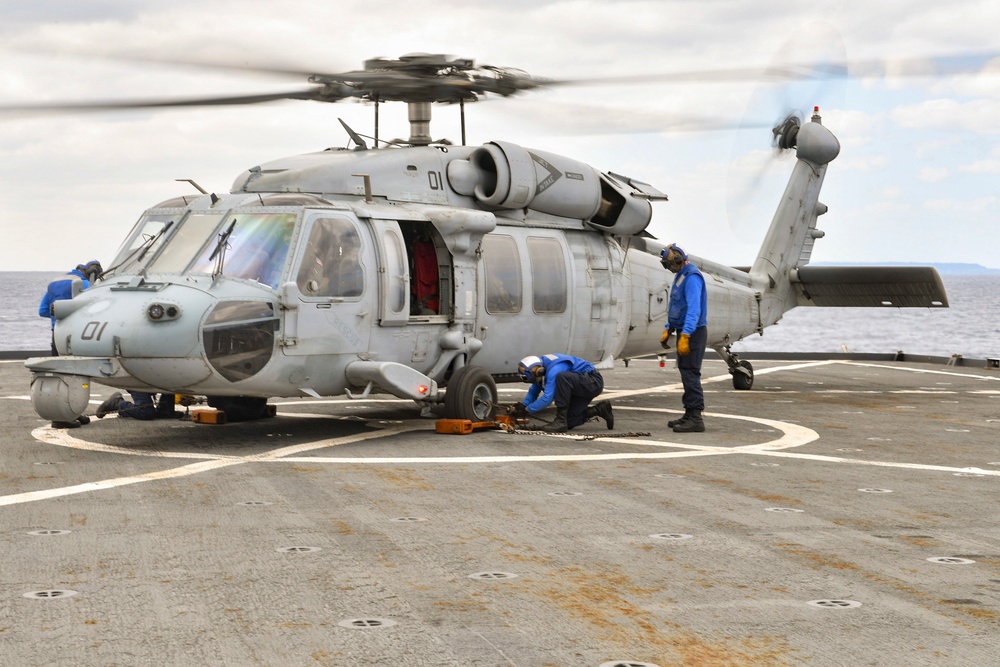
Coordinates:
574 391
690 368
143 407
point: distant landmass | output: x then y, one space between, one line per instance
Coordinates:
965 269
944 268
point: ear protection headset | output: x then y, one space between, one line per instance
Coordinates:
673 257
525 369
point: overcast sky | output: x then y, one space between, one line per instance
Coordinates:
916 181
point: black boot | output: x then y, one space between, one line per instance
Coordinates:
693 424
602 409
72 424
683 418
110 404
557 425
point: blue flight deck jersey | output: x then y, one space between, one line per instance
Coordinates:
539 397
60 288
688 308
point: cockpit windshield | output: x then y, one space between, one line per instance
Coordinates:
142 243
185 242
256 249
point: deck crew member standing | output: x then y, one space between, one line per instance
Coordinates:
571 382
687 314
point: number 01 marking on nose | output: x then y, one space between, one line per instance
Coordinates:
93 330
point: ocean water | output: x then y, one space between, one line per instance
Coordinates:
970 327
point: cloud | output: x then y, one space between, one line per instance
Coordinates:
978 116
962 206
933 174
981 167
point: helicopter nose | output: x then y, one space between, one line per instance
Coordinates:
152 330
132 323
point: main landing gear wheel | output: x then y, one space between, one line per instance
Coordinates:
471 394
239 408
741 380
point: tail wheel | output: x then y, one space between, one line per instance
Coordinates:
471 394
741 380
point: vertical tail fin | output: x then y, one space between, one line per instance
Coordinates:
792 233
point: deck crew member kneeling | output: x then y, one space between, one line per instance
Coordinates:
571 382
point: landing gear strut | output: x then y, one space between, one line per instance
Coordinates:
740 369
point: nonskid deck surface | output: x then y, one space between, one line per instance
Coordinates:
838 513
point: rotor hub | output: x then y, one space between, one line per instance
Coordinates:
785 133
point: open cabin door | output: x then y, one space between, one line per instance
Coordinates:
393 274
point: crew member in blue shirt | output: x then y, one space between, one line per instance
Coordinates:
62 288
687 314
571 382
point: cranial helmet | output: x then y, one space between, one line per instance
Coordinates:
673 257
524 368
91 269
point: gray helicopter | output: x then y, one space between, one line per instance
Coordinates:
424 270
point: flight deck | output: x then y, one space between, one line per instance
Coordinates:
839 513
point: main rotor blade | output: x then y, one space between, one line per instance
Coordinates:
113 105
931 66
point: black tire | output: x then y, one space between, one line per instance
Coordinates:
742 381
239 408
471 394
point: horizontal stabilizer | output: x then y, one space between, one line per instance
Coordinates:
870 286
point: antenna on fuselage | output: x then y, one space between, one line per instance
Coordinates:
355 137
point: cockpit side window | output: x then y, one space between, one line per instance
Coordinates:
331 264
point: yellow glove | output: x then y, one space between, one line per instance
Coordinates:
664 339
684 345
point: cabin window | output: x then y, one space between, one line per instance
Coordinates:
256 249
503 274
331 265
548 275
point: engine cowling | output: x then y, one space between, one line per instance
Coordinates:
501 175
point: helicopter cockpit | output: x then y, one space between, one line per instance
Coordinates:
247 245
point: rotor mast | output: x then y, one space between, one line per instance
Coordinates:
419 115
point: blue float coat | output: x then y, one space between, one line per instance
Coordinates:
60 288
688 308
541 394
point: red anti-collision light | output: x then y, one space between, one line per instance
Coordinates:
421 389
